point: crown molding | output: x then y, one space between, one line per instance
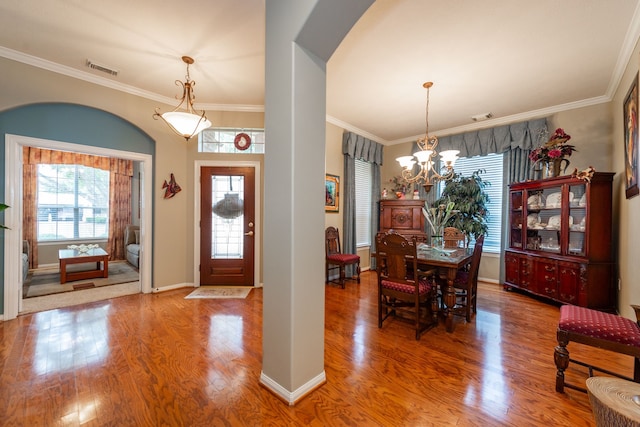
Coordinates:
44 64
514 118
354 129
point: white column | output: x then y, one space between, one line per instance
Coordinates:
300 38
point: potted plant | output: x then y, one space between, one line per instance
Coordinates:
467 192
2 208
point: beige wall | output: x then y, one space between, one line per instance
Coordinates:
625 211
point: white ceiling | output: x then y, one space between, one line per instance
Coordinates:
516 59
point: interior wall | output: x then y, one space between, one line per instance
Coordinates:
625 221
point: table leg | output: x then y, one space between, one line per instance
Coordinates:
63 272
449 298
105 273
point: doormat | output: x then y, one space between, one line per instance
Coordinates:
205 292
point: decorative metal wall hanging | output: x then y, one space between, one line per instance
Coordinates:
171 188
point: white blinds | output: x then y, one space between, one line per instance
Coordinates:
363 203
493 165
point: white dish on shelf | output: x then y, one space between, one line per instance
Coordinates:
554 200
554 222
535 201
532 219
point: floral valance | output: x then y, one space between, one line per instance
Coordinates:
361 148
34 156
523 135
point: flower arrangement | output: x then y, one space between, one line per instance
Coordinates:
555 148
439 216
399 186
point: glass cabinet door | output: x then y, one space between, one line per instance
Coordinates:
516 213
544 219
577 219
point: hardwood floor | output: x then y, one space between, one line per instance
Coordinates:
161 360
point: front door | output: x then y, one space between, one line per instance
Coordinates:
227 225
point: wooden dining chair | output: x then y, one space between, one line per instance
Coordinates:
466 284
335 259
453 238
404 291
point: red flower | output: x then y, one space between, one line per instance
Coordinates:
555 153
555 148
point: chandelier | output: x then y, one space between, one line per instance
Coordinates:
425 157
185 123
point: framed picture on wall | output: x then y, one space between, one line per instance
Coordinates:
332 193
631 139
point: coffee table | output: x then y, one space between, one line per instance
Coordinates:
74 256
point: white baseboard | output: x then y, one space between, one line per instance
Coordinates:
292 397
172 287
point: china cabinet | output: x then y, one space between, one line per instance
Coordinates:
560 240
402 216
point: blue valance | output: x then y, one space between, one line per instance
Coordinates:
359 147
523 135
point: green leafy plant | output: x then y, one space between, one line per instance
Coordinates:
2 208
467 192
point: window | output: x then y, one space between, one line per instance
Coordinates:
363 203
73 202
492 165
227 140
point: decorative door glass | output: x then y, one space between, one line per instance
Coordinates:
227 200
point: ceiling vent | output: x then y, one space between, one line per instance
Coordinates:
101 68
481 117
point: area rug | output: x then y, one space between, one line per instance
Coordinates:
46 281
205 292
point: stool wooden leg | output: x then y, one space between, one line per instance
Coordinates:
561 357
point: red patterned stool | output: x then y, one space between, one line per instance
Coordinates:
597 329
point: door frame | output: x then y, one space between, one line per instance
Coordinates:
13 217
198 164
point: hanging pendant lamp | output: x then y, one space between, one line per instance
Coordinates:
189 122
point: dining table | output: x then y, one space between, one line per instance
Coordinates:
448 261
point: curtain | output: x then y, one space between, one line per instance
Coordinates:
358 147
515 140
120 175
30 210
119 193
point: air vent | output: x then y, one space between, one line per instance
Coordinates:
481 117
101 68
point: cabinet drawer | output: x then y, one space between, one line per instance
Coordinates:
546 276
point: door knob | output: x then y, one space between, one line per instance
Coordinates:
250 233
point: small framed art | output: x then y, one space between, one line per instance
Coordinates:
332 193
631 140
